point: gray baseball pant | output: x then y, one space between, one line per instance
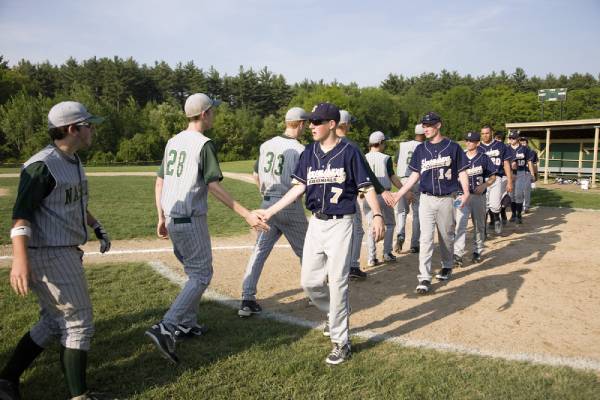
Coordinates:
325 271
191 244
357 237
522 181
388 220
58 280
292 223
476 209
402 209
435 211
495 192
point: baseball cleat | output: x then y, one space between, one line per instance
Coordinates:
356 273
444 274
399 243
458 262
519 220
339 354
389 257
513 218
423 287
188 332
498 227
414 250
9 390
373 262
326 329
248 308
476 258
164 341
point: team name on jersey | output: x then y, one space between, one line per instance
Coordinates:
328 175
478 170
426 165
75 192
520 155
493 153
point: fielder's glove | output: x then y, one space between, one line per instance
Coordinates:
102 237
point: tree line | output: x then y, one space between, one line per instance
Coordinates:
143 104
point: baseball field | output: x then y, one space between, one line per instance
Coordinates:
523 324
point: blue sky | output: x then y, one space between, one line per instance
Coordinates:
351 41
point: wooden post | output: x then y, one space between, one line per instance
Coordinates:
547 166
595 163
580 165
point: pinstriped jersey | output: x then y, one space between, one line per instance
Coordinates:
184 192
379 165
61 218
276 163
404 155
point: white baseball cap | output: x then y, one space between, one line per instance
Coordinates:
296 114
70 112
376 137
346 117
419 129
197 103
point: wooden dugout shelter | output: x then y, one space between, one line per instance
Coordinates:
560 141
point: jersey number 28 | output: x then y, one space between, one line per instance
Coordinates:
174 158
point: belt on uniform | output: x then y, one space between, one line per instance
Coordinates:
326 217
184 220
437 195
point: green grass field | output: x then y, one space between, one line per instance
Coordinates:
125 206
258 358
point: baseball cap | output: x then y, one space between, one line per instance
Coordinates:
325 111
70 112
523 138
419 129
296 114
513 135
376 137
197 103
473 136
499 134
346 117
431 118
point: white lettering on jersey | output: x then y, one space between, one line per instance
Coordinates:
329 175
493 153
478 170
435 163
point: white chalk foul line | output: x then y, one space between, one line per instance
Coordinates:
543 359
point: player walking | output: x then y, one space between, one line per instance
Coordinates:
412 198
441 166
276 163
525 174
382 166
189 171
482 174
49 224
501 158
332 172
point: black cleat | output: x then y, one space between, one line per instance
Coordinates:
414 250
356 273
389 257
519 220
189 332
423 287
476 258
249 307
399 244
339 354
444 274
513 218
458 261
164 341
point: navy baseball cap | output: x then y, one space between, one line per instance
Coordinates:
325 111
431 118
523 138
473 136
513 135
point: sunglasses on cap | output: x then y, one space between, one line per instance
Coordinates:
317 122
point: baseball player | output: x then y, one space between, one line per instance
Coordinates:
525 174
503 183
482 174
276 163
534 160
342 129
50 216
189 171
332 172
441 166
412 198
382 166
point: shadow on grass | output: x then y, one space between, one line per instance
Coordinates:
549 198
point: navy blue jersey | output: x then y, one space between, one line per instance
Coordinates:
534 156
332 179
480 168
439 165
498 153
522 156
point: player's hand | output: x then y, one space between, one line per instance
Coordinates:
533 178
389 198
102 237
19 276
464 198
161 229
480 189
256 222
378 228
509 187
263 214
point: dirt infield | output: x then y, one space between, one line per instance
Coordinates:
535 292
